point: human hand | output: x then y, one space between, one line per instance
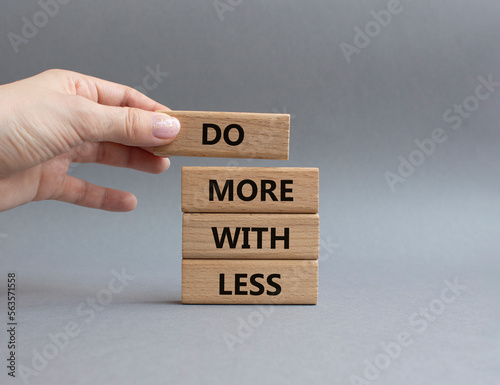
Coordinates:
58 117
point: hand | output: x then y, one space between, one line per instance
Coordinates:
59 117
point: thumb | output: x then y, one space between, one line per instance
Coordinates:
131 126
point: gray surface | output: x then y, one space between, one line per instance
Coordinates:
384 254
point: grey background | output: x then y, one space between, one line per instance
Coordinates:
384 254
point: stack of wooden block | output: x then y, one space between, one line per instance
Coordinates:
250 234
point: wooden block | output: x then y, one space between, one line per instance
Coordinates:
229 135
250 236
250 189
249 282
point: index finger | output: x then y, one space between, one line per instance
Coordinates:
113 94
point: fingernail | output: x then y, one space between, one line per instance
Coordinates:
165 127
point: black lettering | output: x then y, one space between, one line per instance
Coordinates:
213 185
222 290
238 284
259 231
285 238
218 133
226 233
285 190
268 191
267 186
239 190
260 286
245 244
241 135
274 284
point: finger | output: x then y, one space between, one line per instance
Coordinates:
118 155
83 193
113 94
125 125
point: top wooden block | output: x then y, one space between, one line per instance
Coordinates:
229 135
250 190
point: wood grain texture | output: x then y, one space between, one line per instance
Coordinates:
280 281
196 188
237 236
266 136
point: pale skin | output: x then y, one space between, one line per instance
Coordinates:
58 117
